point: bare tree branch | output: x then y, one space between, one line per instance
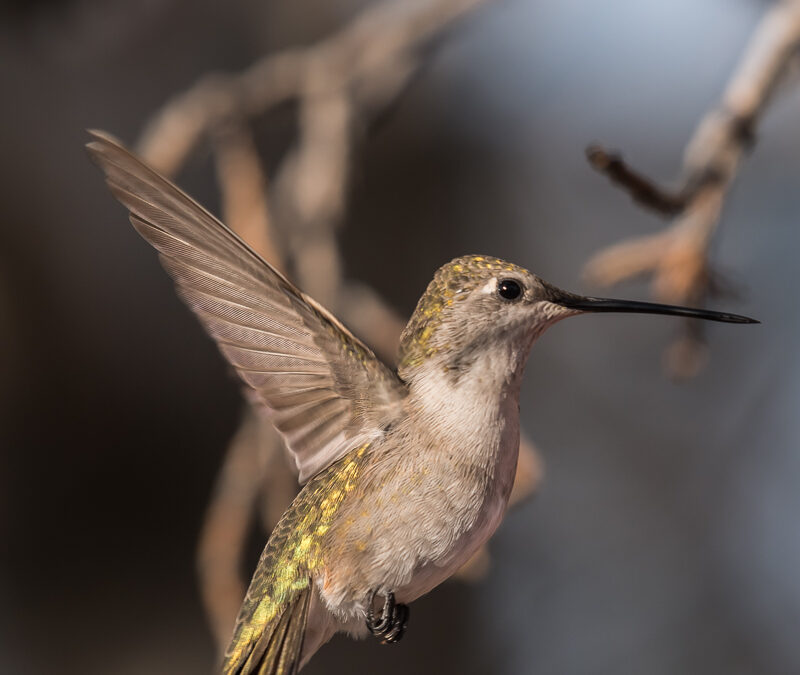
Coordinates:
678 257
641 189
243 186
341 80
380 37
255 473
227 523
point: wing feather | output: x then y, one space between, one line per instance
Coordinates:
326 390
278 648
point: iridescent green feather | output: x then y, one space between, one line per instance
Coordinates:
269 630
451 283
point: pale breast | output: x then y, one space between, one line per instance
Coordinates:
487 518
432 495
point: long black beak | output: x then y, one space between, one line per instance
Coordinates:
586 304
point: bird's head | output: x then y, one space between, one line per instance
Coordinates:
478 304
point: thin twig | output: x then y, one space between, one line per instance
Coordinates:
678 257
641 188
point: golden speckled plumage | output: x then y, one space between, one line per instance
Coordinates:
292 557
451 283
410 471
408 475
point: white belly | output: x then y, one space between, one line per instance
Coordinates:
322 624
431 574
414 538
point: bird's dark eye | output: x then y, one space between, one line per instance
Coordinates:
508 289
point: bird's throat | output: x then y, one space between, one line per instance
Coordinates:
475 415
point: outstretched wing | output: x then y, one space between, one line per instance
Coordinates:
327 392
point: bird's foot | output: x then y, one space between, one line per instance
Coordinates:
391 625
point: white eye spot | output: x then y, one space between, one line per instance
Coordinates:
490 287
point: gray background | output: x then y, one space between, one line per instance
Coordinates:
665 538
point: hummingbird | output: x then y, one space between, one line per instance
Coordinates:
405 472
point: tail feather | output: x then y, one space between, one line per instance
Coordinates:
282 656
277 650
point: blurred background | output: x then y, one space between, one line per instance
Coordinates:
664 537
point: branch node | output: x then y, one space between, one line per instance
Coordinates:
642 189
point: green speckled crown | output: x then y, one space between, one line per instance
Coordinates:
451 283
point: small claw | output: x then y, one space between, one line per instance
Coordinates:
400 621
393 620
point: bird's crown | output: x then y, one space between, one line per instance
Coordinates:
452 284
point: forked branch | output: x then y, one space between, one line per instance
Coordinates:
677 258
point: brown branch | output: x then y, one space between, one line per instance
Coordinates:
255 470
381 36
641 189
678 257
356 72
243 183
370 317
227 523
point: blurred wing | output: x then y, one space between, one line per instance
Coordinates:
327 392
